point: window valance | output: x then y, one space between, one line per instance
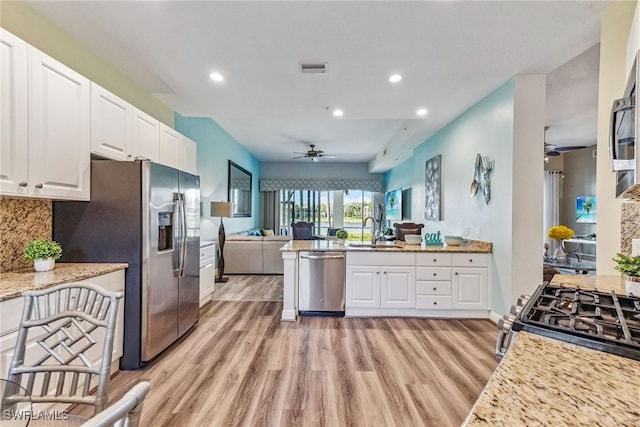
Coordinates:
320 184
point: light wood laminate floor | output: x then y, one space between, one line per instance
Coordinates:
241 366
249 288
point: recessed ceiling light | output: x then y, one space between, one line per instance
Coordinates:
338 112
395 78
216 77
422 112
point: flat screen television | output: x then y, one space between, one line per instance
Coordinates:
393 204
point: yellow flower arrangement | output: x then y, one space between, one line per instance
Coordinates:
560 232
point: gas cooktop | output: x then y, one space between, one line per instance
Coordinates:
598 320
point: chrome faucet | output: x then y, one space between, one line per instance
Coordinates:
373 229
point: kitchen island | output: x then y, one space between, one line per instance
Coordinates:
397 279
543 381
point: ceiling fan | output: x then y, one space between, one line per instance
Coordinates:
313 154
554 150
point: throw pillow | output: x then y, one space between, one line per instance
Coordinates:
267 232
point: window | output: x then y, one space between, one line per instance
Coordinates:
328 209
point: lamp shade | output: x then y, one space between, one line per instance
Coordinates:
221 209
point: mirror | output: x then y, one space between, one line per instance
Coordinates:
239 190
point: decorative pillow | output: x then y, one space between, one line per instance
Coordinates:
267 232
253 233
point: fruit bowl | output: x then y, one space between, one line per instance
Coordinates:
453 240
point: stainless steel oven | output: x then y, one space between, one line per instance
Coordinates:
625 159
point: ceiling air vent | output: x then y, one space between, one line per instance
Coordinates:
314 68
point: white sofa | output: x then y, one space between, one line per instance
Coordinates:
254 254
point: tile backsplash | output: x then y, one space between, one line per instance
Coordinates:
22 220
629 225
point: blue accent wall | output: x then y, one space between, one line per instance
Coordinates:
215 148
486 128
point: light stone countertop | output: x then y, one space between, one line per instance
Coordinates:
542 381
546 382
394 246
13 283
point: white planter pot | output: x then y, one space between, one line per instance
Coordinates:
44 264
631 284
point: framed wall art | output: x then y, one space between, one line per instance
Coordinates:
432 185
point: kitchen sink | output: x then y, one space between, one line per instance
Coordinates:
386 245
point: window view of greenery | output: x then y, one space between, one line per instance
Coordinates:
319 207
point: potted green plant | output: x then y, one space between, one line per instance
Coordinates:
629 266
342 235
43 253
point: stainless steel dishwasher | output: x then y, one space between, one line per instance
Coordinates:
321 280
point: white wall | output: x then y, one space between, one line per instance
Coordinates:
321 169
616 23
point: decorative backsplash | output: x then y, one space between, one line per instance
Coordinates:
22 220
629 220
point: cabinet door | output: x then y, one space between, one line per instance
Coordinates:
59 124
363 287
190 153
110 129
398 287
171 153
469 288
14 130
207 282
145 136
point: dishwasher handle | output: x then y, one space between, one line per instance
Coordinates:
322 256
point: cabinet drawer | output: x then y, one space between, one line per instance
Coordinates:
433 288
470 260
433 260
433 273
207 252
381 258
433 302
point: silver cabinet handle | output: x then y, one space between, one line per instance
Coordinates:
322 257
434 274
470 260
38 185
434 260
385 272
435 303
434 288
377 272
456 273
23 184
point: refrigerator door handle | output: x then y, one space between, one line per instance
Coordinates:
183 233
177 235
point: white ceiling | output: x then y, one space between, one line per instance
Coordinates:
450 54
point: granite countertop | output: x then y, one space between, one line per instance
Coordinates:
13 283
395 246
536 384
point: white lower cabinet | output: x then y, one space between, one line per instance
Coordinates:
207 273
423 284
380 280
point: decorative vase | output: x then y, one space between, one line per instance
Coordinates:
560 255
44 264
631 284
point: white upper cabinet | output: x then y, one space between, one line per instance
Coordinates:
45 125
120 131
171 152
190 156
59 129
145 135
110 125
14 130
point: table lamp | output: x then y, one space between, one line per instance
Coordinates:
221 210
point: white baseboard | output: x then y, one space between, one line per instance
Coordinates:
494 317
412 312
288 316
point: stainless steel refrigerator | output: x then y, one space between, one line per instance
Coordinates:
147 215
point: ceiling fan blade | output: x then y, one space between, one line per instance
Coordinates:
327 156
298 152
552 153
299 157
569 148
